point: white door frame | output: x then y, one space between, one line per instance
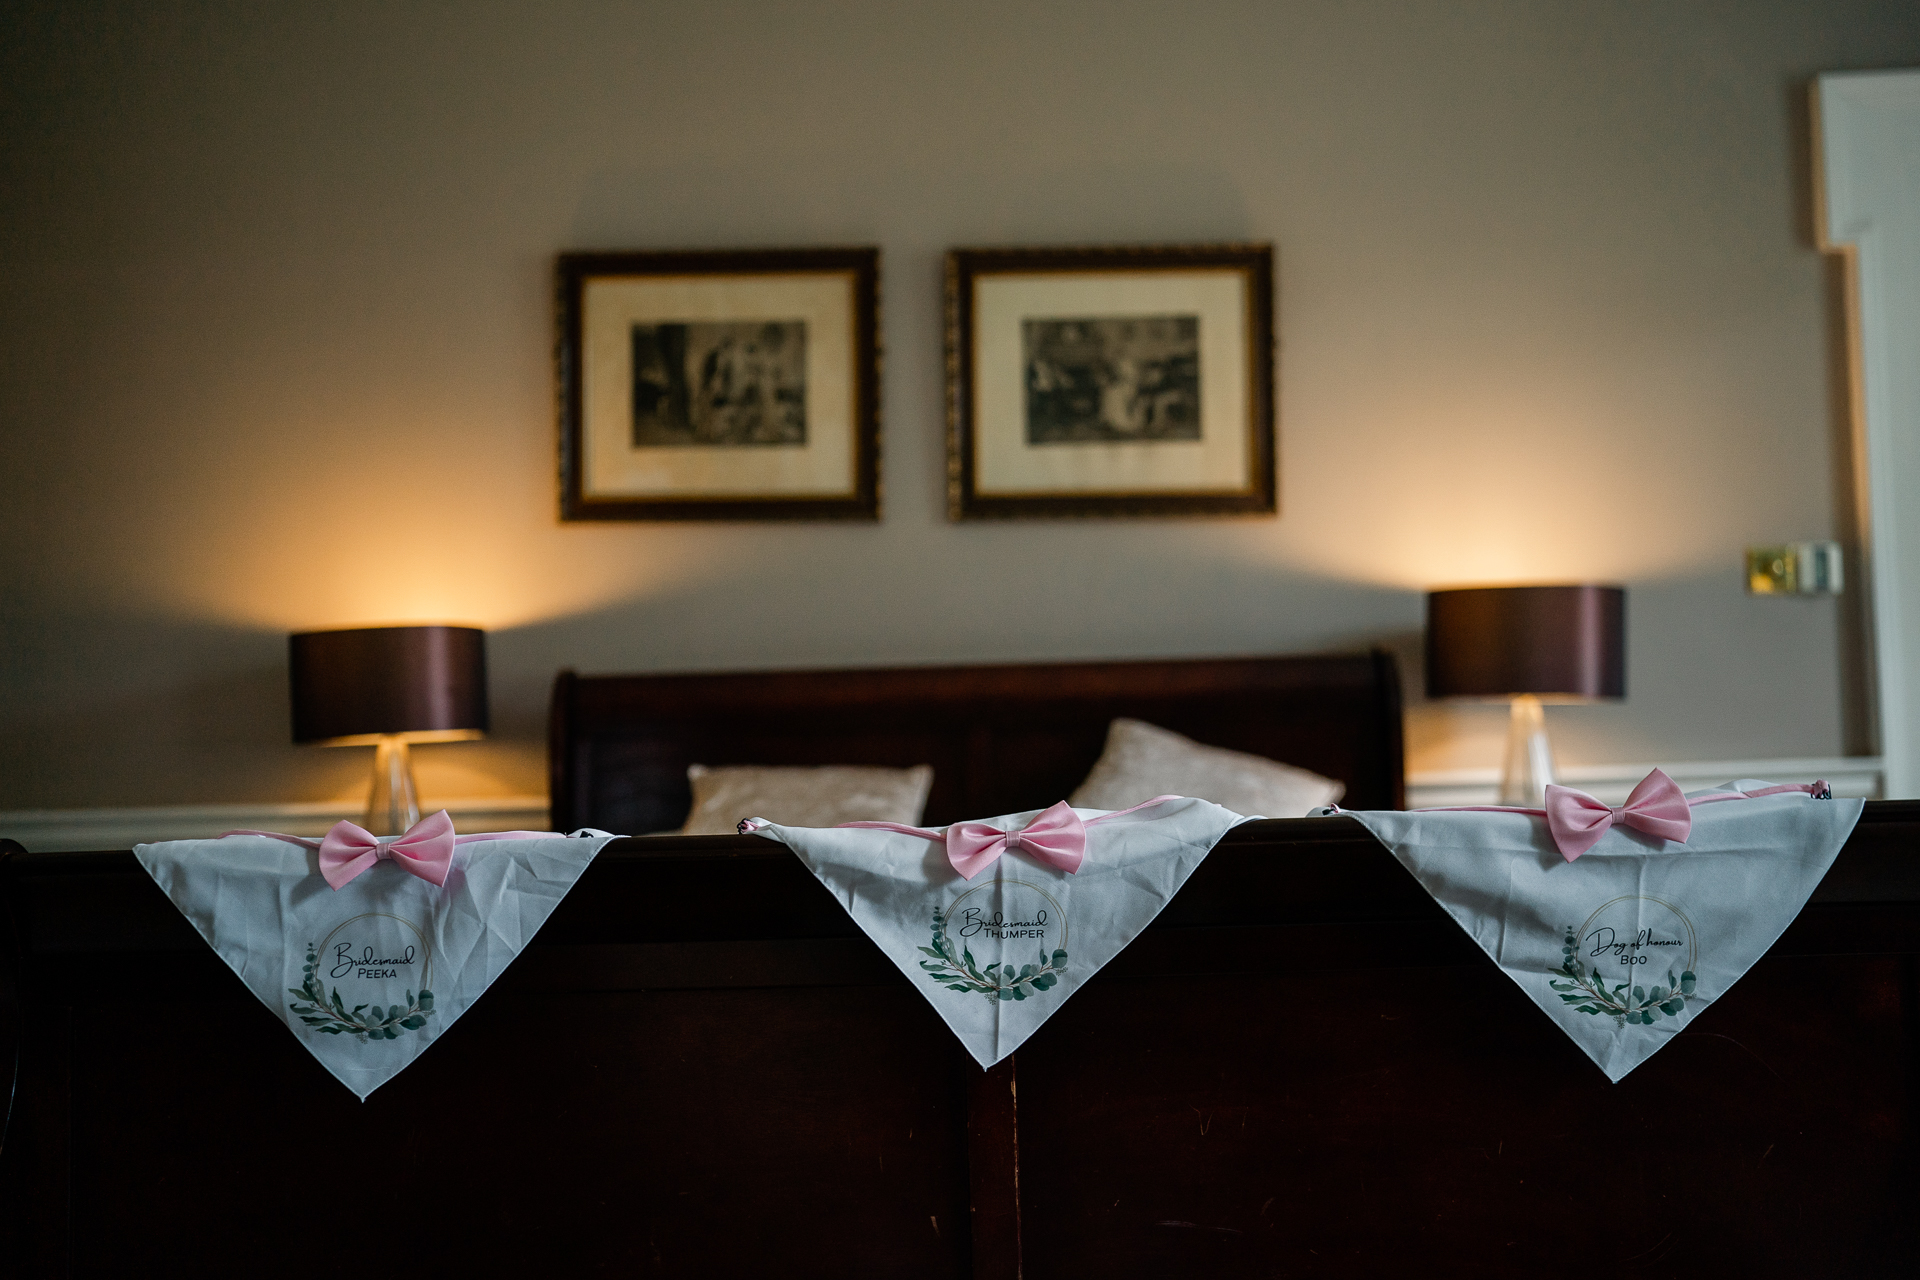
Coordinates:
1867 197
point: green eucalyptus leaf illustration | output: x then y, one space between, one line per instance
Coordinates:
1001 980
331 1017
1634 1006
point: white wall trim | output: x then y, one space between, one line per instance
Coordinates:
1867 187
61 830
1851 776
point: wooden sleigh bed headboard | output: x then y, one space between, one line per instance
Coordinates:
701 1067
1000 738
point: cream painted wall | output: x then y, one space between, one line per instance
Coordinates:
276 348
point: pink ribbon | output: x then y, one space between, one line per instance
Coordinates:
1056 837
1657 806
426 850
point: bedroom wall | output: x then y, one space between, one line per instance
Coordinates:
276 347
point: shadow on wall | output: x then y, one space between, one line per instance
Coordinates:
698 206
1689 697
772 616
147 709
142 709
1859 720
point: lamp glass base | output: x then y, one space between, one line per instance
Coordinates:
393 805
1529 766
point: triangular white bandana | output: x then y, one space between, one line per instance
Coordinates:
1623 947
367 976
998 954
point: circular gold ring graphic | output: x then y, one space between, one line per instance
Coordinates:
954 906
1693 941
426 952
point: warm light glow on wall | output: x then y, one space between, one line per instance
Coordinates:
1498 493
399 570
446 539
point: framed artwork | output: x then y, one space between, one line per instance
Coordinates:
719 385
1110 381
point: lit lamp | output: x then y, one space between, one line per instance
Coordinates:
386 687
1527 645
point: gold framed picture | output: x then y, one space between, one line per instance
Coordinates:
736 385
1122 381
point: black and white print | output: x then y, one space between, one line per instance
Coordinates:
720 383
1112 378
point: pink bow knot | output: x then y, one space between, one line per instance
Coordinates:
1657 806
1056 837
426 850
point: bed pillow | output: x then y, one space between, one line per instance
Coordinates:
1142 761
803 796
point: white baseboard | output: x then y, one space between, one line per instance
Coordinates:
62 830
59 830
1849 776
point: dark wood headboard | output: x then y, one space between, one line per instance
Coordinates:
1000 738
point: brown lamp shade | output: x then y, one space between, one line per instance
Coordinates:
426 682
1492 642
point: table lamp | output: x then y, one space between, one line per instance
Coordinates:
388 687
1527 645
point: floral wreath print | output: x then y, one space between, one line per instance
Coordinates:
1589 993
998 981
364 1022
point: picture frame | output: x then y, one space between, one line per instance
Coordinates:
719 384
1110 381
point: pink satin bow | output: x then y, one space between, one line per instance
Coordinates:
426 850
1056 837
1657 807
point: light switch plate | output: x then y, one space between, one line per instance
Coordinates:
1795 568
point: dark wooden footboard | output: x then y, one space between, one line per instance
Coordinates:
701 1068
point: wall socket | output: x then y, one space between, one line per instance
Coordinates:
1796 569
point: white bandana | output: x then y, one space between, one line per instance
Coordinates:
998 954
1626 945
367 976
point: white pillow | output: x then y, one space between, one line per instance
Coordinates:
803 795
1142 761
